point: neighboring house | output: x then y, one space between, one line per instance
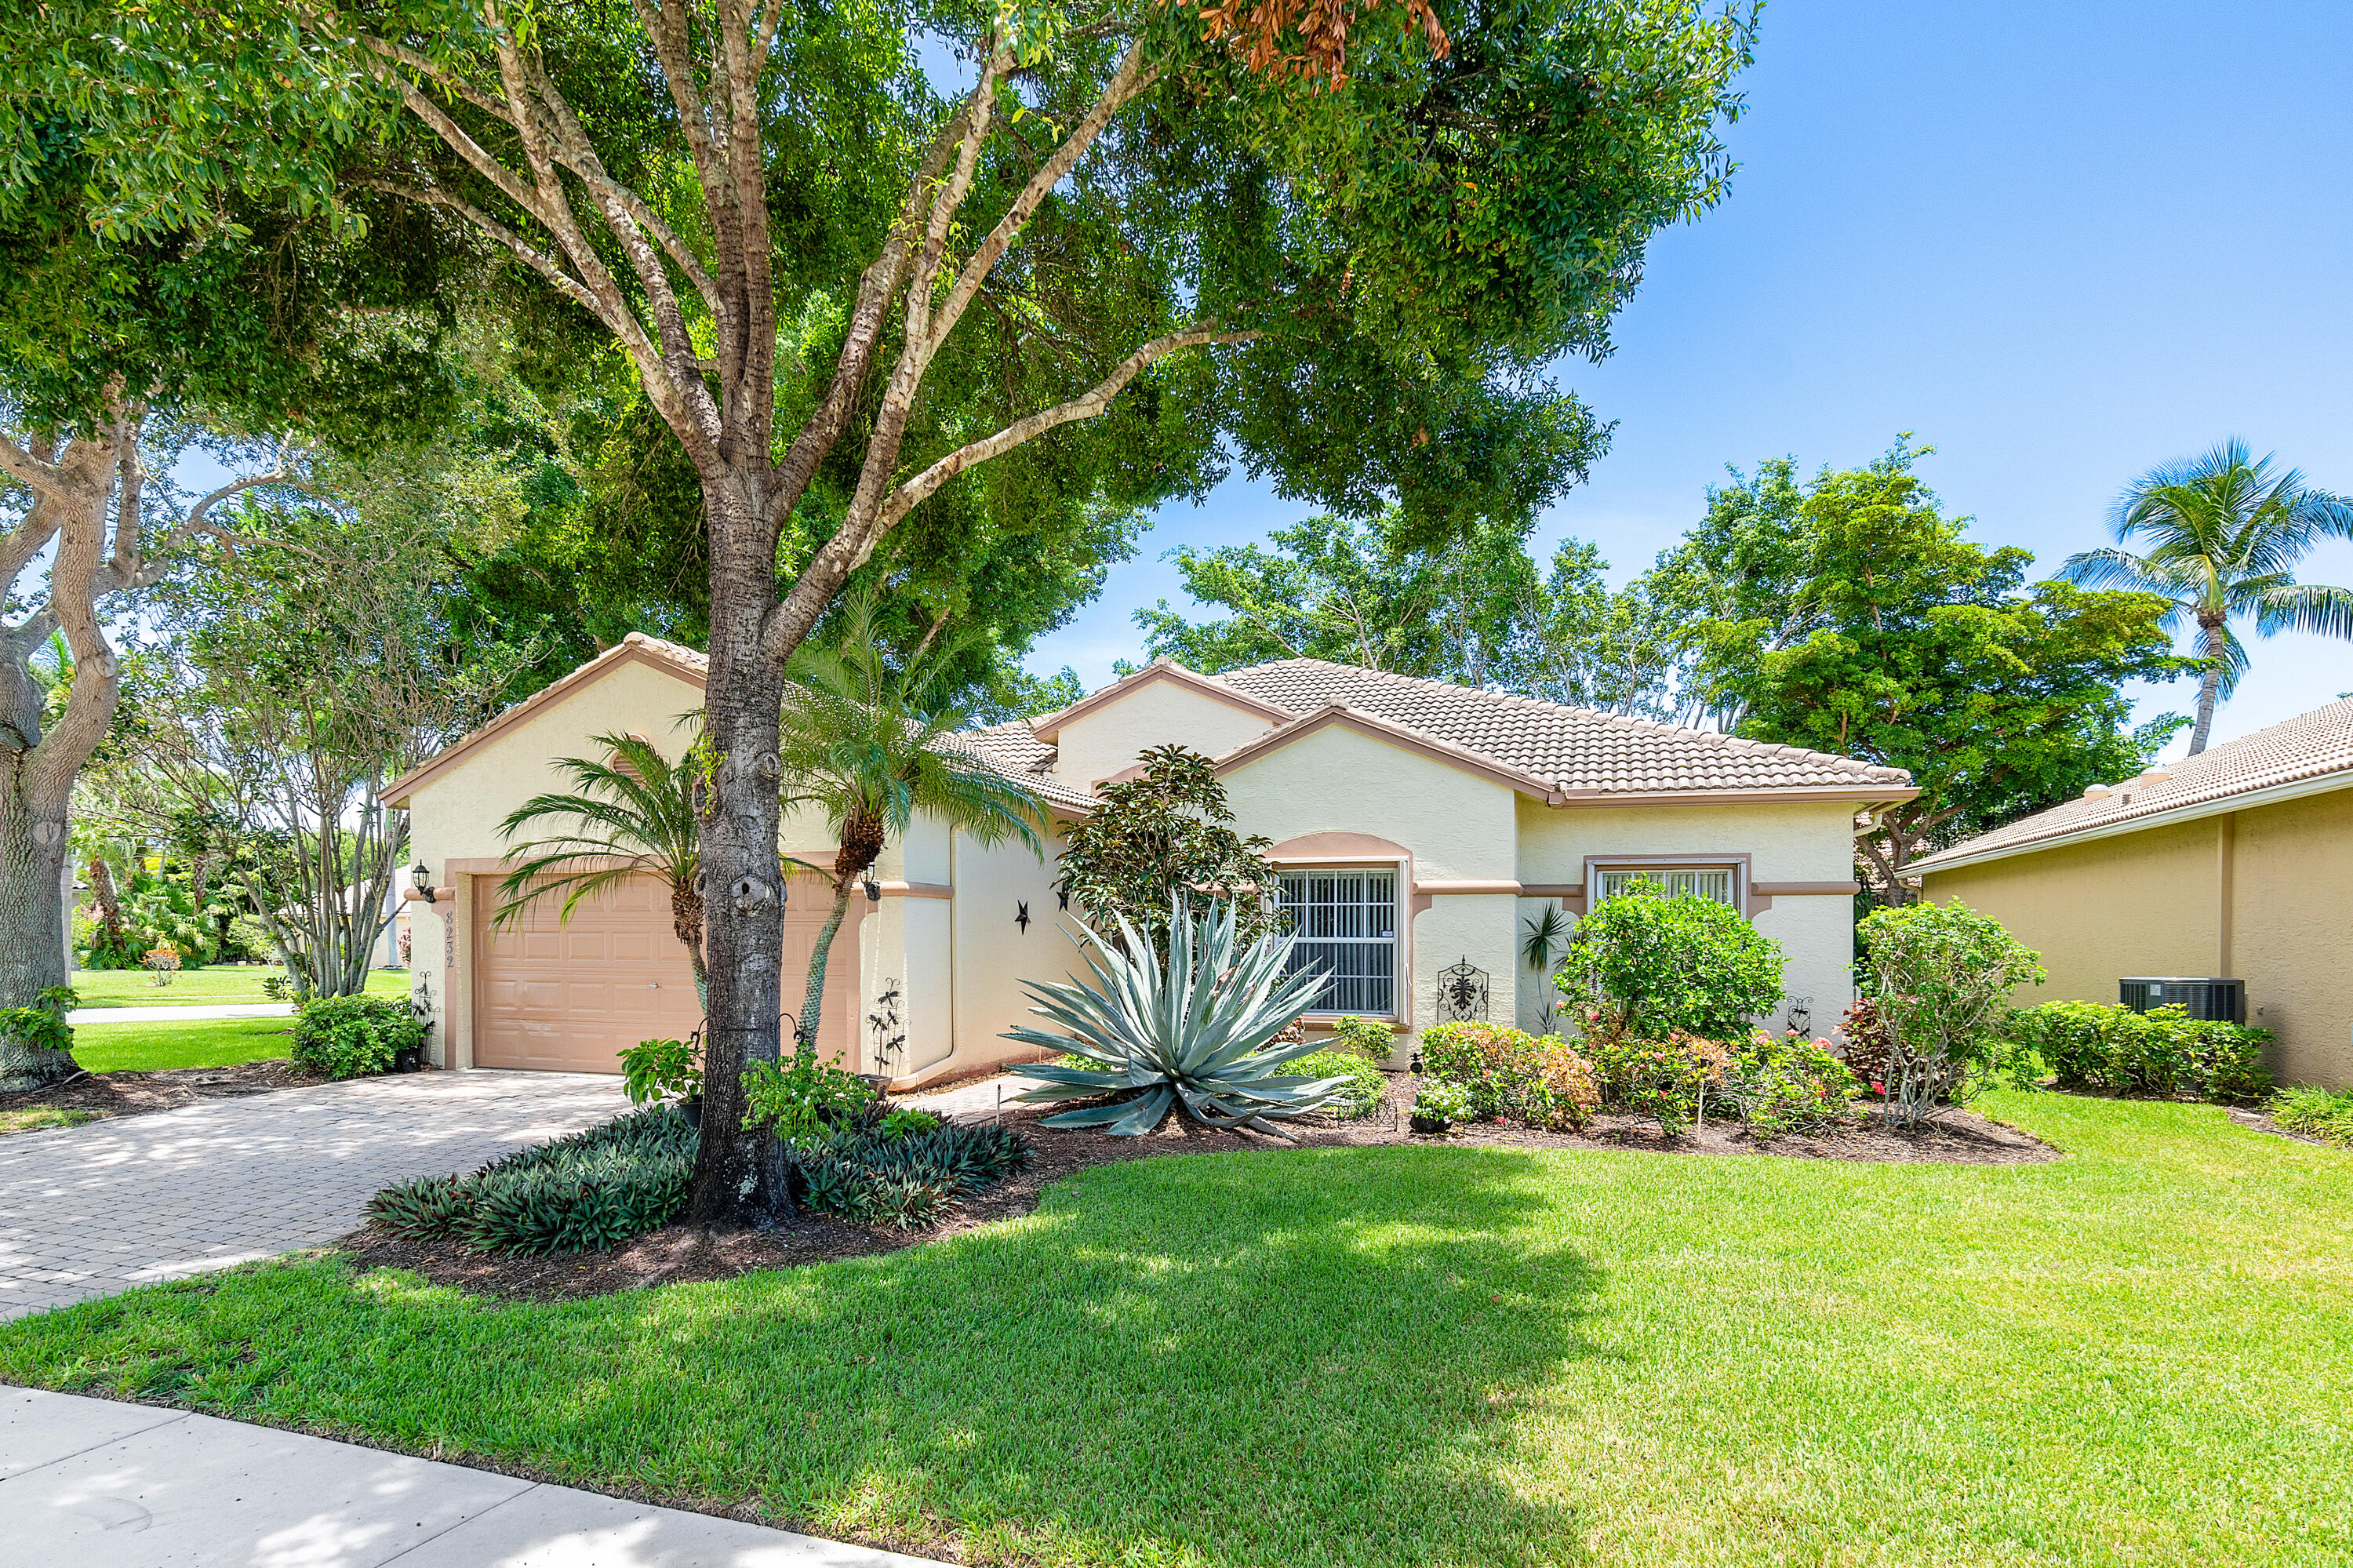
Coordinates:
2235 863
1419 827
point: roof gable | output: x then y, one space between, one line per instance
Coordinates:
688 666
1159 670
1380 730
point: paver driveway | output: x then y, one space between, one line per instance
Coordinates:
88 1210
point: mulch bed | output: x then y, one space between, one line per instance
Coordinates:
679 1255
101 1096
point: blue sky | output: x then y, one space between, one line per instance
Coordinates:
2060 242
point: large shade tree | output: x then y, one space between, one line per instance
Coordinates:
2220 535
1341 241
119 349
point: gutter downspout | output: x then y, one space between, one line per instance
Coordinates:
2226 859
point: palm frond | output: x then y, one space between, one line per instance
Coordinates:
2314 608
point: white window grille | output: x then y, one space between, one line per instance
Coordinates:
1345 923
1707 881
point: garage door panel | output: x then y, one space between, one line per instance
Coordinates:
572 997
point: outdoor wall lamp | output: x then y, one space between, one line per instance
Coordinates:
420 883
873 888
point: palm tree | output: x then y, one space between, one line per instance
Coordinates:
871 746
635 815
2225 532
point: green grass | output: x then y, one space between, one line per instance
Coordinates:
1420 1355
41 1117
2315 1113
219 985
199 1043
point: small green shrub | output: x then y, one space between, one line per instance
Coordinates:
2091 1044
1364 1081
42 1025
1439 1106
1671 1079
1368 1037
1509 1073
653 1070
804 1097
908 1179
2315 1113
353 1036
900 1121
1788 1084
1644 964
588 1190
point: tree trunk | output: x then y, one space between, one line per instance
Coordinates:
862 846
110 906
2210 685
32 929
743 912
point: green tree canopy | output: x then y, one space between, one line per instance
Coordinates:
1851 615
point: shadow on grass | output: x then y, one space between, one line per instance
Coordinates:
1312 1357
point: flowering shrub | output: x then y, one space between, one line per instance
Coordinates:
1439 1106
1780 1085
1670 1079
163 960
1510 1073
1943 972
1651 966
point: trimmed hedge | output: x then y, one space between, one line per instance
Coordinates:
588 1190
353 1036
2091 1044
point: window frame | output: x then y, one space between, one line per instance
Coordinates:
1742 899
1400 872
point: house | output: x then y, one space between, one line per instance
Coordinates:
2234 864
1419 827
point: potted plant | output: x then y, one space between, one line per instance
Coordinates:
656 1070
1439 1106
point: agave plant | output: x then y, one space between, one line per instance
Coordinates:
1195 1031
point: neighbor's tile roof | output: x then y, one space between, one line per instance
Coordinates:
2308 746
1580 749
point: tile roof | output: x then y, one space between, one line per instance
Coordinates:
1013 750
2310 747
1583 751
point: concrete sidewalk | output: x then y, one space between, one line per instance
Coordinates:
81 1015
95 1483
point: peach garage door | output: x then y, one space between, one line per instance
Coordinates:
570 996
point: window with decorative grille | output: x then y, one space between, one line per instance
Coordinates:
1707 881
1345 923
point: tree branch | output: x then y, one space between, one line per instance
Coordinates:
1085 406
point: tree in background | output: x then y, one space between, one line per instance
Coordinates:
1851 616
2224 533
1159 838
781 224
868 742
1475 611
320 665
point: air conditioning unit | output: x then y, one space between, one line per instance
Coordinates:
2221 1000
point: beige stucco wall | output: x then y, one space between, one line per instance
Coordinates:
1810 842
1155 712
991 955
2264 896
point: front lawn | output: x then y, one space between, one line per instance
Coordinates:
200 1042
217 985
1419 1355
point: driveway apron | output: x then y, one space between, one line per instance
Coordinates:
93 1209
